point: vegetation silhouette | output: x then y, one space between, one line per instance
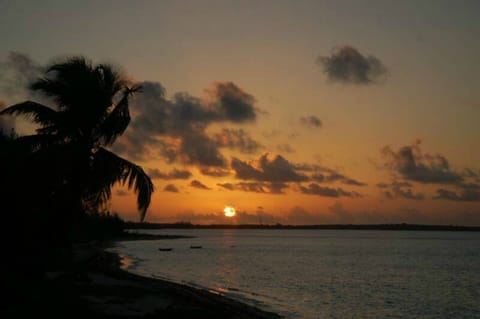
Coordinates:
91 112
56 183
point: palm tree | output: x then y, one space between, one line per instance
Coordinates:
91 111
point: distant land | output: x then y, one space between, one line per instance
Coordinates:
403 226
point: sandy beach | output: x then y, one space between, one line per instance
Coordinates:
98 287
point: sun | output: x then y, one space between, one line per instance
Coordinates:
229 211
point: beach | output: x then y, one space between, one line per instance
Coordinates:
99 287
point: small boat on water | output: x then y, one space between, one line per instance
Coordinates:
195 247
165 249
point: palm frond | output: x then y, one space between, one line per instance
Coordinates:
116 122
108 169
39 113
36 142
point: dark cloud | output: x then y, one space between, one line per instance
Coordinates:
276 170
214 172
173 174
394 183
176 128
400 189
397 192
228 186
310 121
347 65
412 165
256 187
466 195
170 188
199 149
330 175
237 139
315 189
198 184
233 103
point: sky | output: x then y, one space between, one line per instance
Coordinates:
293 112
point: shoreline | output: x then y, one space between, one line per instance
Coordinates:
113 291
181 300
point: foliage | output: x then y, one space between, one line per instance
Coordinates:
67 153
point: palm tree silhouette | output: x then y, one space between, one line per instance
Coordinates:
91 111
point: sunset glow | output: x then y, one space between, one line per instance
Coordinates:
315 112
229 211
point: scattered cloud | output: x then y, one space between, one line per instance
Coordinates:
277 169
411 164
347 65
198 184
214 172
173 174
232 102
329 175
466 195
175 128
256 187
400 189
315 189
171 188
237 139
311 121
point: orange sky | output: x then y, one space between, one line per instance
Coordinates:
324 85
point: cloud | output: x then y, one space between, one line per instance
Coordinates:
412 165
198 184
237 139
233 103
397 192
17 72
170 188
256 187
175 128
173 174
400 189
466 195
311 121
347 65
214 172
277 169
201 150
315 189
394 183
334 176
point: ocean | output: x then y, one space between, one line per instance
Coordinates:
323 273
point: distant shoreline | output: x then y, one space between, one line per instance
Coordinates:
396 227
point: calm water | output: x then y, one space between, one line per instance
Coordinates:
325 273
